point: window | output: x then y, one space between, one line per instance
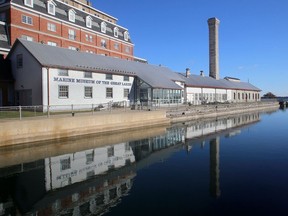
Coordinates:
27 20
89 157
71 15
19 60
116 31
126 93
88 92
89 38
103 43
50 43
109 92
51 27
71 34
103 27
126 36
87 74
63 91
2 16
72 48
63 72
127 49
28 3
88 22
110 151
51 7
28 38
65 164
116 46
109 77
126 78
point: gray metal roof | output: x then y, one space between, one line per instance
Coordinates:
209 82
56 57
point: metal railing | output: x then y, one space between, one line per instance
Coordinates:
20 112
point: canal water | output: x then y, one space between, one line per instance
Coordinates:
237 165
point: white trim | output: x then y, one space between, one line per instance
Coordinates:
72 15
103 27
29 5
88 21
51 2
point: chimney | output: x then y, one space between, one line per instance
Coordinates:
188 72
202 73
213 24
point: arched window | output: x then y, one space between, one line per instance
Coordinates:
71 15
88 22
116 31
28 3
51 7
103 27
126 36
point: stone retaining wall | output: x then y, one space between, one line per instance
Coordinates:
206 111
16 132
34 130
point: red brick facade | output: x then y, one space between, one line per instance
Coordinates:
45 29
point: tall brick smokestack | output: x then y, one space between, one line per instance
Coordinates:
213 24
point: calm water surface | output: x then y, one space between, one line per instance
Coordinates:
225 166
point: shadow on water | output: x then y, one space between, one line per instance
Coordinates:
90 175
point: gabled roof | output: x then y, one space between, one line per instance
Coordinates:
209 82
57 57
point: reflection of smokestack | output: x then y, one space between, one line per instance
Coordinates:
213 24
188 72
214 168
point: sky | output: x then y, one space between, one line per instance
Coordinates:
253 36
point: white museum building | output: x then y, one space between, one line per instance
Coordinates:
52 76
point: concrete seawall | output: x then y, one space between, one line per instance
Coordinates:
210 111
17 132
34 130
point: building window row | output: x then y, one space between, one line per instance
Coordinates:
51 9
71 34
28 38
51 27
27 20
51 43
63 92
89 38
88 92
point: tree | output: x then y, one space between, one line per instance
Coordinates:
269 95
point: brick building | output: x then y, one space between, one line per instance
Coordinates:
69 23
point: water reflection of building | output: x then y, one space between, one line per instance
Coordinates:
94 195
207 130
145 147
68 169
92 181
204 128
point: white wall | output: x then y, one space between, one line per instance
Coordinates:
29 76
78 169
77 82
207 94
